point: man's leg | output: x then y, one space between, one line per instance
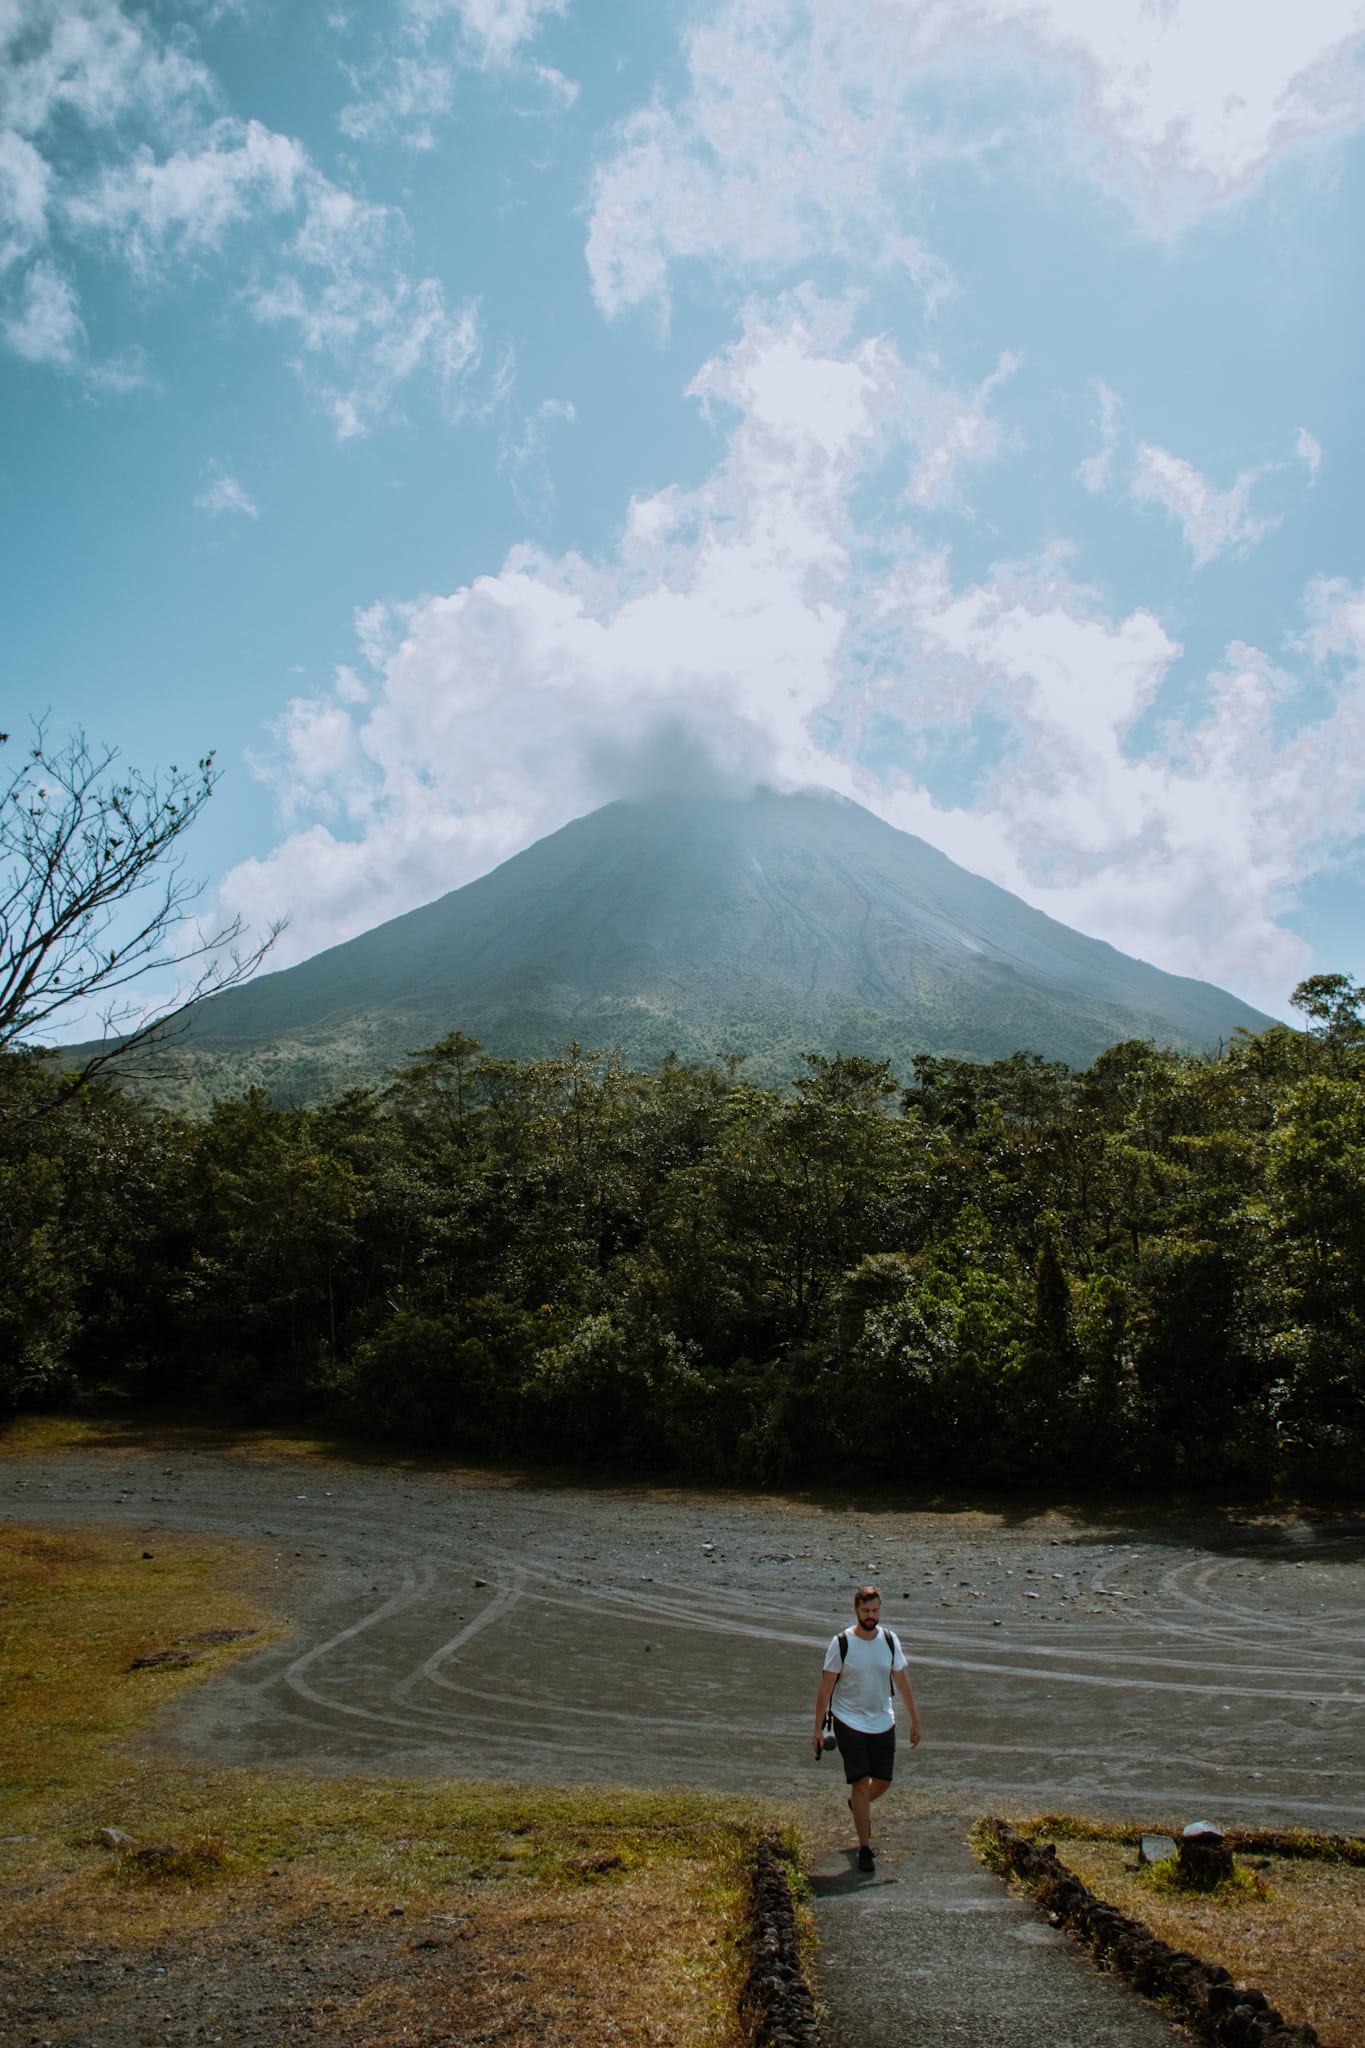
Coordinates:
862 1794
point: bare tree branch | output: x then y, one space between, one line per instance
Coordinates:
93 895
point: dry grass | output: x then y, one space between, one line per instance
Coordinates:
77 1609
1302 1941
591 1914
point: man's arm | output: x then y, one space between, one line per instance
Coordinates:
828 1681
901 1681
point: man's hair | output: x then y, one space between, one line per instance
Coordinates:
866 1593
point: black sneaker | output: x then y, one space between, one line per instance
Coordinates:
866 1860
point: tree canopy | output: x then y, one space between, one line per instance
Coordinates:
1148 1274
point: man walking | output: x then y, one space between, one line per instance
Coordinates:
867 1665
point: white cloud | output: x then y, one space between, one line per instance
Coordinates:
953 430
149 210
738 633
363 326
223 493
1184 851
526 697
805 123
1309 451
73 73
1212 522
1202 91
24 184
92 62
781 150
44 325
378 332
1336 621
1094 472
113 139
525 455
411 87
496 29
405 94
562 91
118 376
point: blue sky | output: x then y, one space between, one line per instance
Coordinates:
458 413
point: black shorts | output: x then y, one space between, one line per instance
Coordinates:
865 1756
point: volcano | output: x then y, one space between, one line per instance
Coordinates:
768 925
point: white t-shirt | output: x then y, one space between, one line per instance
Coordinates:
862 1698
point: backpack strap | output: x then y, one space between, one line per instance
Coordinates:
895 1652
843 1659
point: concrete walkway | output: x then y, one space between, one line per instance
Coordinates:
933 1952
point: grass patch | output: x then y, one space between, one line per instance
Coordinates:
79 1609
1166 1881
1294 1929
405 1911
40 1436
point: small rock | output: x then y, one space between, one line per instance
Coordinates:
1156 1849
147 1553
115 1838
397 1912
480 1582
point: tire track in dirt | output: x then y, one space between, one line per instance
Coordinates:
457 1625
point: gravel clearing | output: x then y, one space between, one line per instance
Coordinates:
467 1625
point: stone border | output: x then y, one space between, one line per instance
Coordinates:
775 2004
1302 1842
1203 1993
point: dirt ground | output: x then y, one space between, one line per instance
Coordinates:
303 1973
472 1626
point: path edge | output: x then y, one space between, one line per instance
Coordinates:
776 2003
1202 1993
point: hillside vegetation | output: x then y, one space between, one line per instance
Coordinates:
1148 1273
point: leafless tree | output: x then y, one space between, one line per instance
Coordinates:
93 895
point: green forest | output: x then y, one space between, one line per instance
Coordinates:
1147 1275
